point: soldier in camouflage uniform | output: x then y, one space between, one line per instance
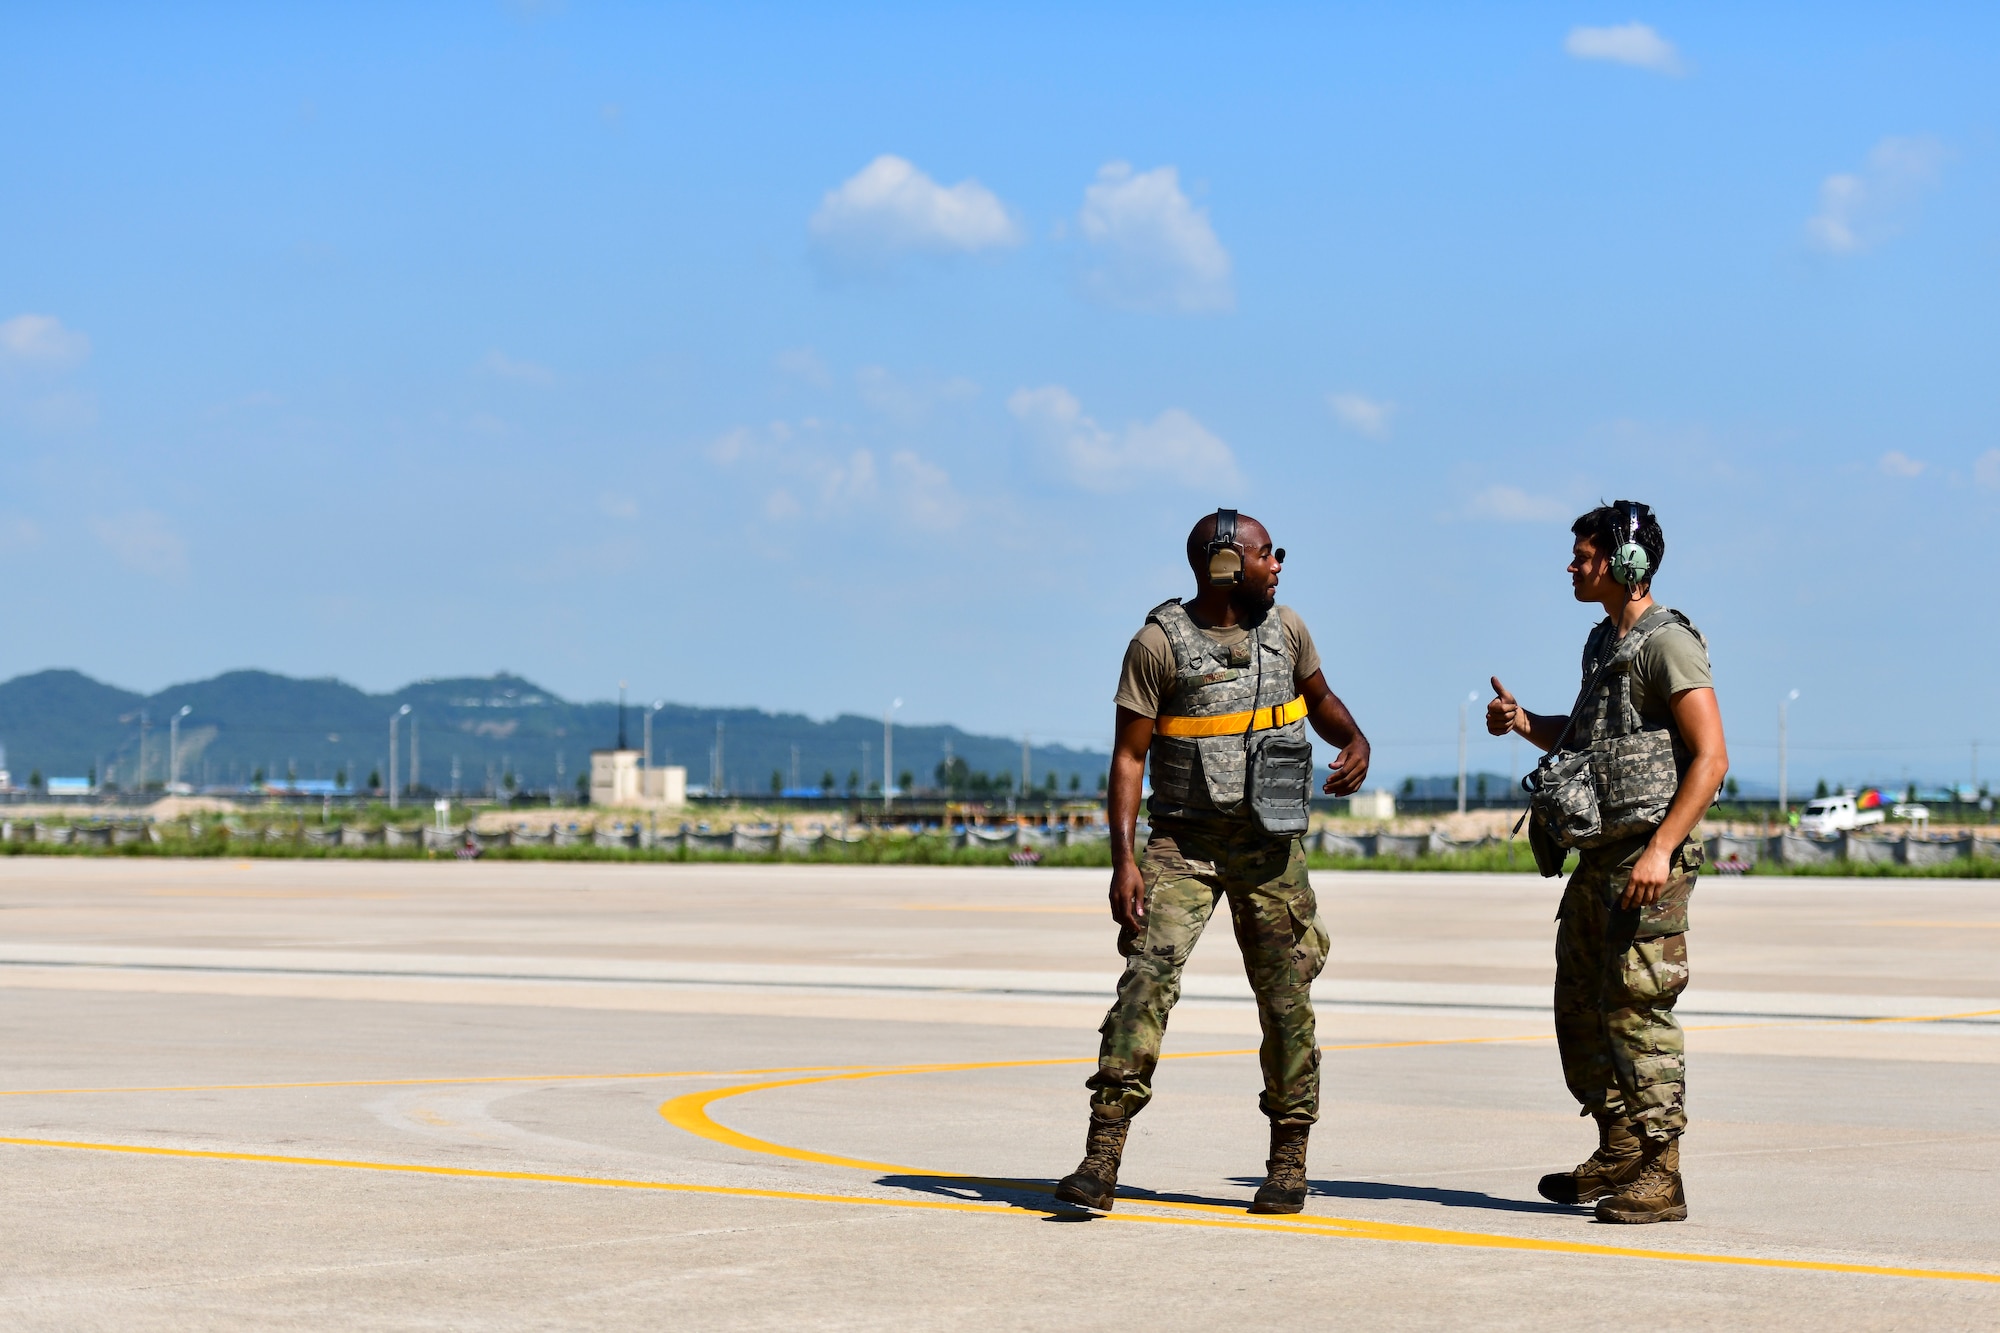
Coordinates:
1218 693
1645 745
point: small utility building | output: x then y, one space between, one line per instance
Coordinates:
620 778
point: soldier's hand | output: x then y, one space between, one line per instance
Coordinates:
1349 768
1503 714
1128 896
1649 879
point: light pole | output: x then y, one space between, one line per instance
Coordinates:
646 760
1784 708
416 769
889 753
174 748
393 717
1461 748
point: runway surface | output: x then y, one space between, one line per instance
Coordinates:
280 1095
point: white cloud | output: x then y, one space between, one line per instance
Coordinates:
1986 470
145 543
726 449
1511 504
925 494
800 473
43 341
804 364
1859 210
1625 44
1172 447
889 207
505 367
1153 249
1896 463
841 481
1369 416
614 505
906 402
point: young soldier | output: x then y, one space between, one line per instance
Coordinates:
1218 692
1647 721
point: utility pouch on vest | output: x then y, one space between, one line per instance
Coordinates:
1548 856
1278 782
1562 796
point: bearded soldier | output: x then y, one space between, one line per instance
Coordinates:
1631 768
1218 693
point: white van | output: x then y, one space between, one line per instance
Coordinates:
1835 814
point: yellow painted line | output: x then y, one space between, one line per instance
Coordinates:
268 893
997 907
644 1075
1929 1018
689 1112
1309 1226
428 1082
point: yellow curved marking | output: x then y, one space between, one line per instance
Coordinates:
1309 1226
689 1112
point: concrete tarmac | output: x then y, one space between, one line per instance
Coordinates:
299 1094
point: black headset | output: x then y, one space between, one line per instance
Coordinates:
1225 556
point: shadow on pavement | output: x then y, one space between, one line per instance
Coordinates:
1376 1189
1035 1196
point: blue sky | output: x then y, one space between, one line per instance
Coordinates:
807 358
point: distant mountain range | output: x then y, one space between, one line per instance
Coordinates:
245 723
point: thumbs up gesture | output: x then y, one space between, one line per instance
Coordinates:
1503 714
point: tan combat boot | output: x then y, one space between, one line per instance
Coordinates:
1094 1183
1654 1194
1284 1187
1606 1171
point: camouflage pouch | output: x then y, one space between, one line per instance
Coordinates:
1548 856
1279 784
1562 797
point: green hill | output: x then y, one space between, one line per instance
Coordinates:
63 723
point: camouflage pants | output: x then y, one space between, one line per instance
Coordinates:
1187 868
1618 973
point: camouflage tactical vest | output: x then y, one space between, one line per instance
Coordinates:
1636 766
1202 777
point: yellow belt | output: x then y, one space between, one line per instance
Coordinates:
1232 724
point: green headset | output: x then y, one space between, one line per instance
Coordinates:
1225 556
1631 566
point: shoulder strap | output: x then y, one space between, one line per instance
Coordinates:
1272 631
1591 649
1190 645
1689 626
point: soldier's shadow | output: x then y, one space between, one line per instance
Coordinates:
1034 1196
1445 1198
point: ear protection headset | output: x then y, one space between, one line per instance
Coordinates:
1225 557
1225 561
1630 565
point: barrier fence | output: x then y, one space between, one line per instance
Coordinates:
749 840
1725 850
